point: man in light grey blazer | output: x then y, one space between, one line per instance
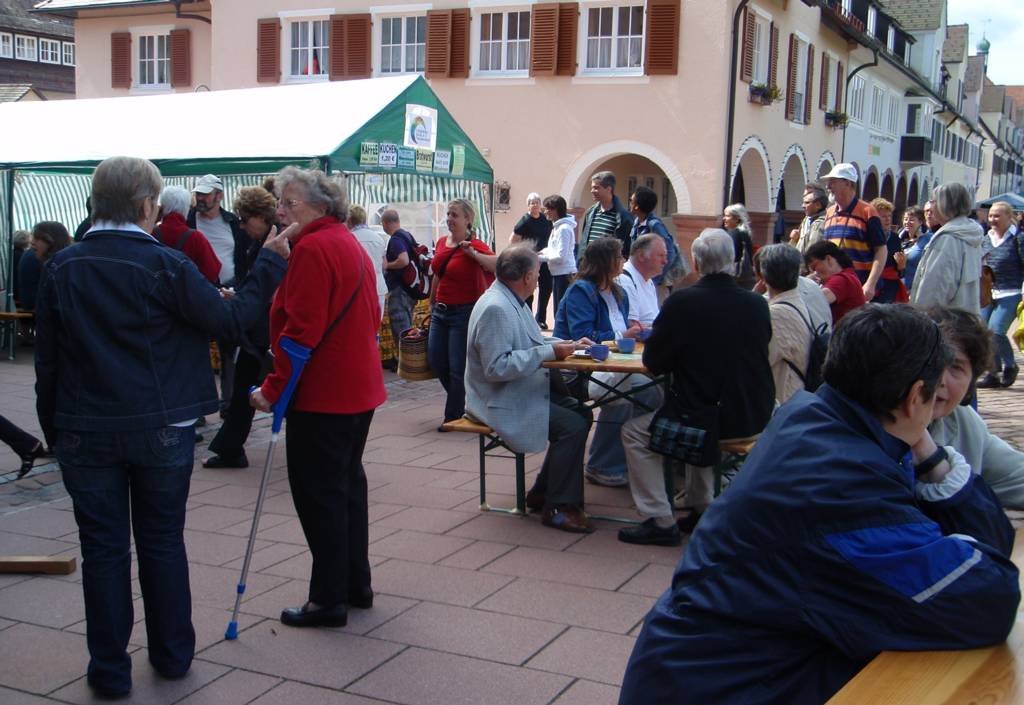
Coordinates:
507 389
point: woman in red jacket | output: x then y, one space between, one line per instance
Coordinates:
464 267
340 387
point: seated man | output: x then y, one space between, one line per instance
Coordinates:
847 532
647 259
713 338
507 389
778 266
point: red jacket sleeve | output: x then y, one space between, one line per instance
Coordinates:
198 249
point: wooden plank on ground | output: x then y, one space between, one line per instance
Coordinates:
51 565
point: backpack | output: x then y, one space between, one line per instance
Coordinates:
820 336
416 279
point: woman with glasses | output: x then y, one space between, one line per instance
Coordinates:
327 302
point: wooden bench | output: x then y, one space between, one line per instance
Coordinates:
489 443
9 322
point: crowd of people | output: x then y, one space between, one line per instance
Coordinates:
159 272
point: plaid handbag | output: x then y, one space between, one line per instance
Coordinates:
687 435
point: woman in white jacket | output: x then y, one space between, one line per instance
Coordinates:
559 254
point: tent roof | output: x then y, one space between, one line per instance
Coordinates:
1015 200
256 129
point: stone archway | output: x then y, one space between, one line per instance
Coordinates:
577 177
791 188
752 179
888 190
914 192
825 163
870 190
900 197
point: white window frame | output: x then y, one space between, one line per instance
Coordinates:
503 44
288 20
890 41
800 94
878 98
832 85
47 46
762 46
584 40
404 47
872 20
893 124
68 49
138 40
26 41
858 92
6 45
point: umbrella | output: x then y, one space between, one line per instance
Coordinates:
1015 200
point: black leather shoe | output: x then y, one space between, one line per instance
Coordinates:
1009 376
649 533
989 381
688 523
219 461
310 615
361 598
29 459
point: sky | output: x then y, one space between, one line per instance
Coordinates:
1002 22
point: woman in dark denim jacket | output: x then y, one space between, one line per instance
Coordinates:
123 372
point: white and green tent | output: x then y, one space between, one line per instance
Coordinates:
391 139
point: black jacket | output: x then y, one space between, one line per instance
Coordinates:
713 337
242 242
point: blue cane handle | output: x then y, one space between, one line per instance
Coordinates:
299 356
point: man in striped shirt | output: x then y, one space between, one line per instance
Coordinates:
607 217
854 226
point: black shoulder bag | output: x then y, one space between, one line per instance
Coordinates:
685 434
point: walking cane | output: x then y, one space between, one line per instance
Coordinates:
299 355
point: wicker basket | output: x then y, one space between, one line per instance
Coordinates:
412 355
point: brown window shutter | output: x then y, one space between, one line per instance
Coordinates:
357 46
544 39
350 47
568 21
823 84
661 53
808 96
747 62
336 63
791 84
181 58
268 50
121 60
773 55
439 37
840 87
460 43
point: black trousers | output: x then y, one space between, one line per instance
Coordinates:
325 472
543 294
21 442
560 479
230 439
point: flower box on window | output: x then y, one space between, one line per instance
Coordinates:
836 119
764 94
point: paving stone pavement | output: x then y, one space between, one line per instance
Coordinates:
472 608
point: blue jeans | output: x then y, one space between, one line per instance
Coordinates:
119 482
999 316
446 354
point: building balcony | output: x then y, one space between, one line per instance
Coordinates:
842 20
915 150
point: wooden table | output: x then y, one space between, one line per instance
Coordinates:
993 676
629 364
9 321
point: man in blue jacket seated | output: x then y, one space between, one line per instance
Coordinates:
848 532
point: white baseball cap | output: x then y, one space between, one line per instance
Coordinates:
207 184
842 171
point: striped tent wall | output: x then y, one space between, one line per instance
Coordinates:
40 196
6 244
365 189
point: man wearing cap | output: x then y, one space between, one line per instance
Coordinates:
224 233
854 226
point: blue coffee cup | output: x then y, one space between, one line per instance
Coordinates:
599 352
626 345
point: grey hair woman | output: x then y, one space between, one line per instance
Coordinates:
949 272
534 229
737 222
713 252
311 187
